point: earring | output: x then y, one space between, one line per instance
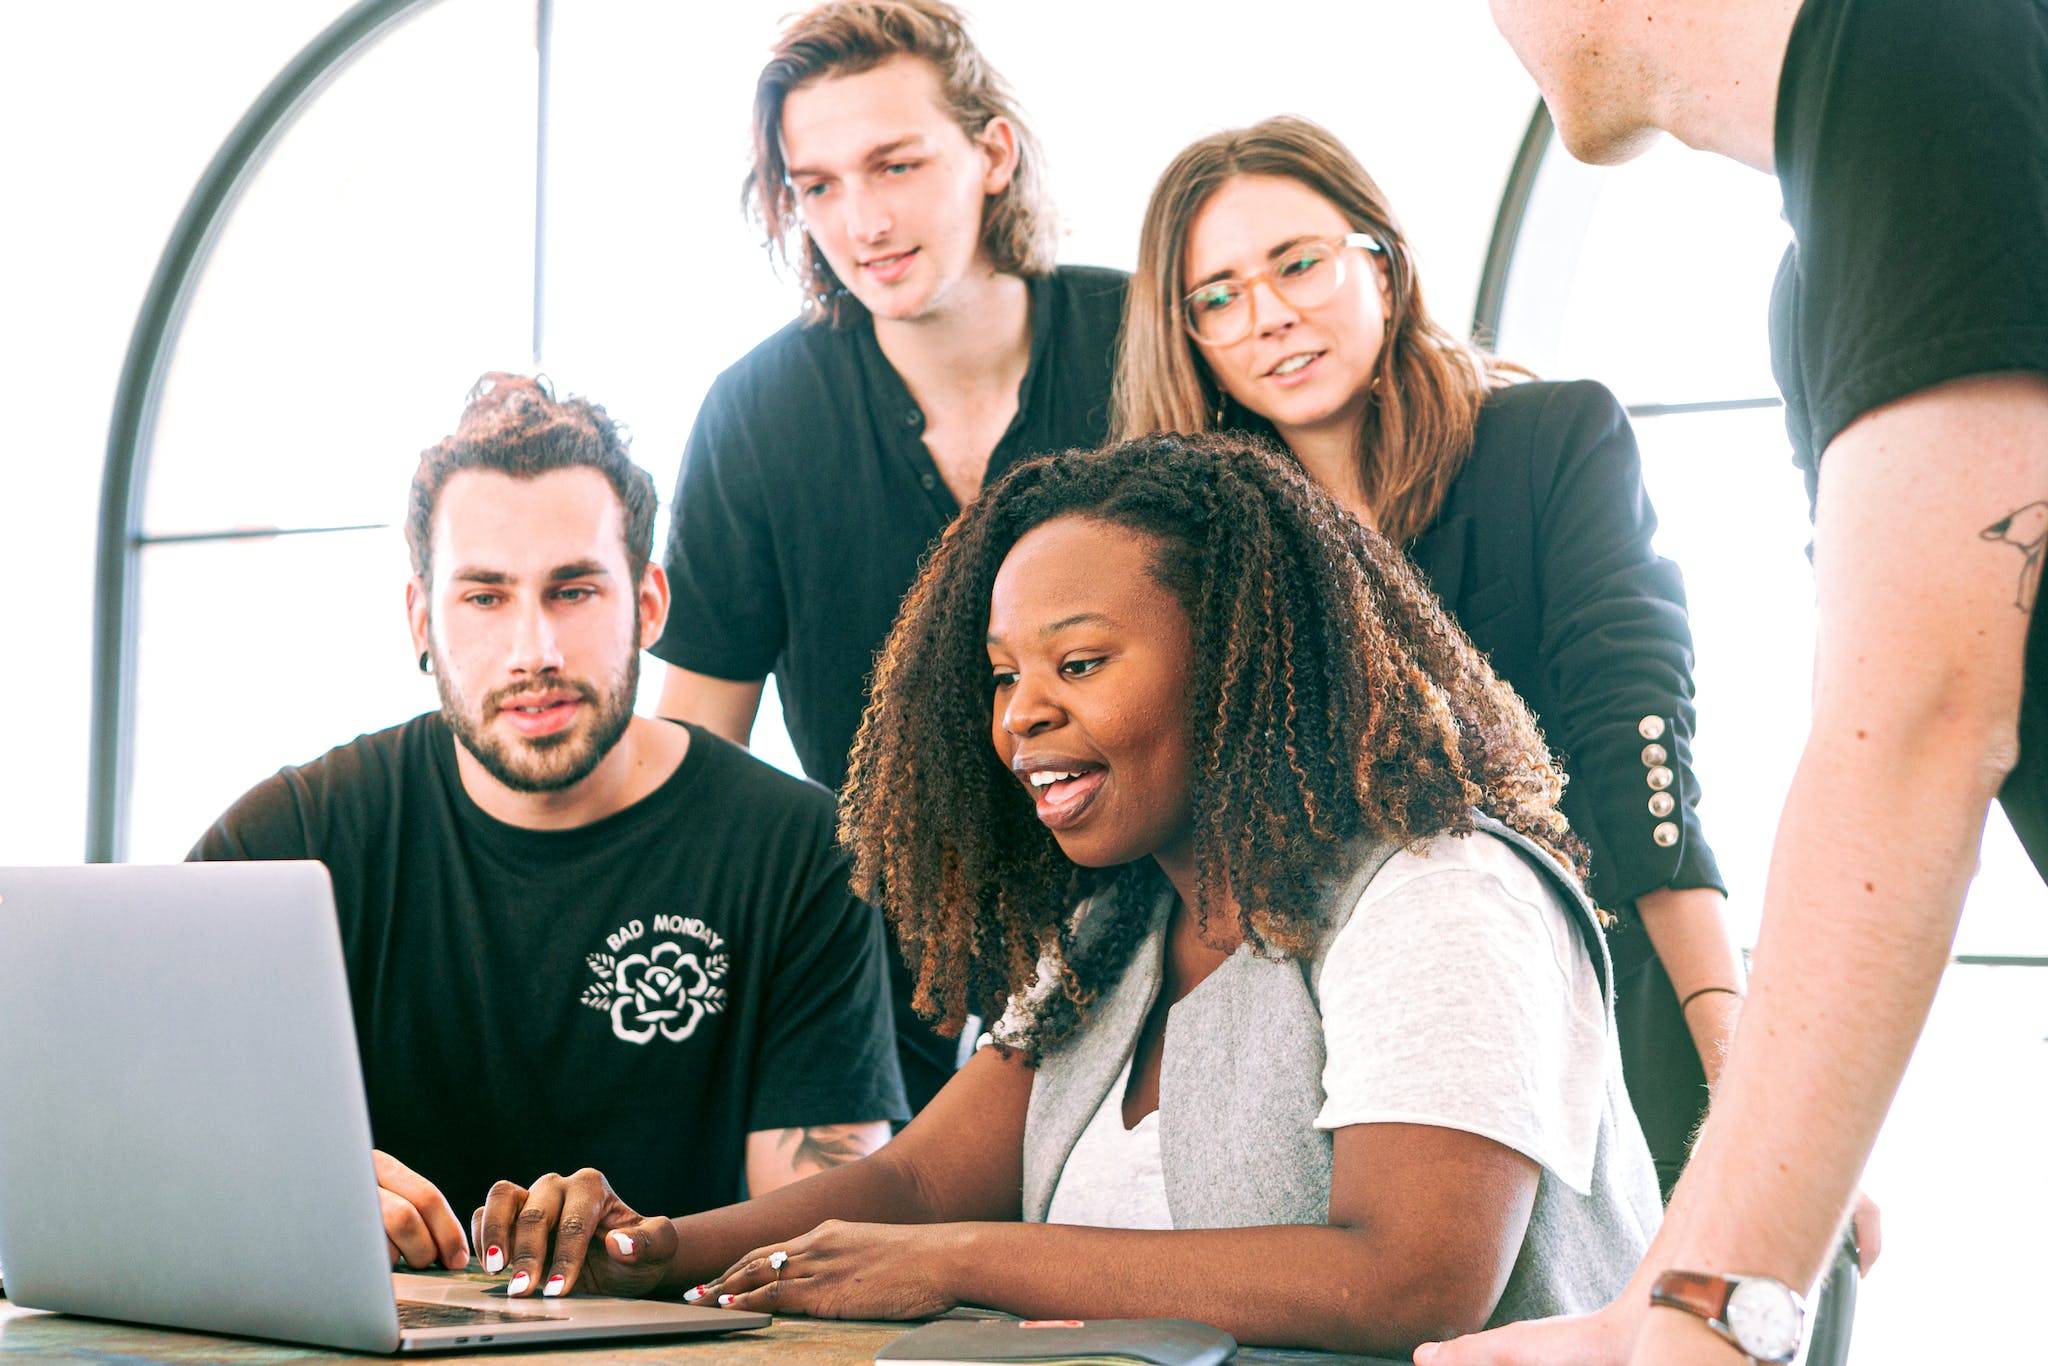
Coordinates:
426 662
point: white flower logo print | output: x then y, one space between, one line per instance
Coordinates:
663 990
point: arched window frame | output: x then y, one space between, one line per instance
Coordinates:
131 433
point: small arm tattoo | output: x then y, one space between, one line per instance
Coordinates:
2026 530
820 1147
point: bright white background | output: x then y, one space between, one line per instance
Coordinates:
384 257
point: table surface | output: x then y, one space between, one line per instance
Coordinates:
31 1335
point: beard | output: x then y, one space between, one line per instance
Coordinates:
546 763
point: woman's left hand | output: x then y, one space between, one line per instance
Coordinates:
842 1271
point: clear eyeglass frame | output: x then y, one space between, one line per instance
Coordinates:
1231 322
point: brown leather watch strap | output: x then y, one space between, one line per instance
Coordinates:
1695 1292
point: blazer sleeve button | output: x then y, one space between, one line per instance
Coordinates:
1661 804
1666 834
1658 778
1651 727
1653 755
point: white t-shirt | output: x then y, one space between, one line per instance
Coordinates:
1459 994
1115 1177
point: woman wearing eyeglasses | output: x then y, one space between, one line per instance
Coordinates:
1275 292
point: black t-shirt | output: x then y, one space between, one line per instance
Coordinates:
634 995
808 497
1912 147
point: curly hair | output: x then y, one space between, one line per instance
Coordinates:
1332 699
514 425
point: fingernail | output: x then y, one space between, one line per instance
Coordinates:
693 1294
494 1260
724 1300
624 1243
519 1284
554 1286
1425 1354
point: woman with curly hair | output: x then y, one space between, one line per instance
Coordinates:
1310 1031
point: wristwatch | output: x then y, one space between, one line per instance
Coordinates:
1764 1319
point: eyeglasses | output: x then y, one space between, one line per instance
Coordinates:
1220 312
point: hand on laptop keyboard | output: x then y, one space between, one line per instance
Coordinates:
419 1225
554 1255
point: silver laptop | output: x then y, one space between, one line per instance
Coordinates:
183 1134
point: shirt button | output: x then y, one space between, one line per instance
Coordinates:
928 481
1658 778
1666 834
1661 804
1651 727
913 419
1653 755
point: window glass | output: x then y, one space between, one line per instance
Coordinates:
1654 276
255 654
377 263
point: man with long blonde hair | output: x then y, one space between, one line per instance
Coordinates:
938 344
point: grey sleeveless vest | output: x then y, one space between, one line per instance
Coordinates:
1241 1084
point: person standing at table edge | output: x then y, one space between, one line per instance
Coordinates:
1909 333
937 346
571 931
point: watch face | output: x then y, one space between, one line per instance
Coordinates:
1765 1318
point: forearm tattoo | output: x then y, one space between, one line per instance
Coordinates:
813 1150
2025 530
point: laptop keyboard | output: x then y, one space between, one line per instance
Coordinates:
419 1314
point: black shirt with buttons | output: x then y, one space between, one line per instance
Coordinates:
806 502
808 497
1543 551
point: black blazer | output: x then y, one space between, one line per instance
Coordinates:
1542 553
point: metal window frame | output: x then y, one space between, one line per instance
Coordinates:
1501 250
1507 224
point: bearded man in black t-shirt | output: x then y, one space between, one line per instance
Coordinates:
575 936
1910 336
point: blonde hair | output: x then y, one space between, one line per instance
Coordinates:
851 36
1429 384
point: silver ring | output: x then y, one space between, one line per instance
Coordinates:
776 1261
